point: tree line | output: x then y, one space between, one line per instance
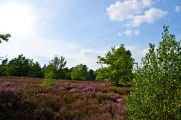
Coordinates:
116 66
24 67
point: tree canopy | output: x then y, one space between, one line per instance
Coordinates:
156 88
57 66
79 72
19 66
118 65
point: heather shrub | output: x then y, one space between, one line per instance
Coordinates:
156 88
13 106
34 102
9 102
117 90
102 97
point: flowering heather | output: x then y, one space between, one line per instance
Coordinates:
27 99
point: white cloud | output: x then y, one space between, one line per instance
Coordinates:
147 2
133 13
89 57
126 9
149 16
177 8
129 32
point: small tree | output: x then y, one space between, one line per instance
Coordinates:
156 88
48 79
119 65
57 66
80 72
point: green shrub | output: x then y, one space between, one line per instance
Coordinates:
156 88
48 79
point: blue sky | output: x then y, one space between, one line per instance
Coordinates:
80 30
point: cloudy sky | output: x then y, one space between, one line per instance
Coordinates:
80 30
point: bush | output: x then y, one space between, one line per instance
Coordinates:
156 88
8 104
47 82
12 106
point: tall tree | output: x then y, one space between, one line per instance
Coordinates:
35 70
57 66
118 65
58 63
19 66
156 88
80 72
91 75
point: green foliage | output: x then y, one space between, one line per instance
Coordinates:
4 37
4 67
156 88
119 65
80 72
3 70
67 73
103 74
48 79
91 75
22 66
57 66
35 70
58 63
19 66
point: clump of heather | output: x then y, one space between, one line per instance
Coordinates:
27 99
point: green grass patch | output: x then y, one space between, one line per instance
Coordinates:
102 97
117 90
